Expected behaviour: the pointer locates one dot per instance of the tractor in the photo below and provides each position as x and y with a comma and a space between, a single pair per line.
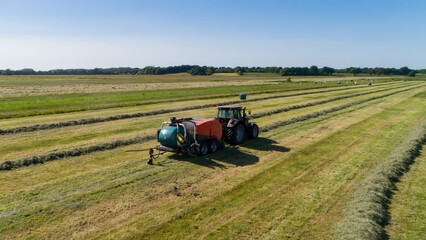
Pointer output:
201, 136
236, 125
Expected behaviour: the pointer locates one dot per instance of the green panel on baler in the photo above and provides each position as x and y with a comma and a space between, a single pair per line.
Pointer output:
168, 136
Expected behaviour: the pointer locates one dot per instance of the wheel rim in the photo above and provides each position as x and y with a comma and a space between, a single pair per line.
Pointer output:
204, 149
255, 131
239, 135
213, 147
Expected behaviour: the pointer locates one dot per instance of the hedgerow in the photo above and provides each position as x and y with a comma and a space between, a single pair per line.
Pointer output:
367, 213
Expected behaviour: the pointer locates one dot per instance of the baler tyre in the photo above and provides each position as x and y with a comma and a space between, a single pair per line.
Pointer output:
236, 135
203, 149
254, 131
213, 146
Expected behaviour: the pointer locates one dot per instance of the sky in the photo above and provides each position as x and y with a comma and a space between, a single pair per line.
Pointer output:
60, 34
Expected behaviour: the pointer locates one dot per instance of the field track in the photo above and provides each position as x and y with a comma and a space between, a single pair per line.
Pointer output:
293, 182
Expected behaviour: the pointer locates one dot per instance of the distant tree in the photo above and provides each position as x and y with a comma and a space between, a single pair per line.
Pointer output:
7, 72
238, 70
27, 71
204, 70
404, 70
355, 71
412, 74
158, 71
197, 71
210, 70
285, 71
225, 70
277, 70
327, 71
313, 70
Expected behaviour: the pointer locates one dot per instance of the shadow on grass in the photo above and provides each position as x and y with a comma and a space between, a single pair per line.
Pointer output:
233, 154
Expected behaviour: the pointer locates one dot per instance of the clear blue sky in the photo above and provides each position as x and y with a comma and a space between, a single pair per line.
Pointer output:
48, 34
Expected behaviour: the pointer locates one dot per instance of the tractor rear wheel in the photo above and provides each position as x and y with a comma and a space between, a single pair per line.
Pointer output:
235, 135
254, 131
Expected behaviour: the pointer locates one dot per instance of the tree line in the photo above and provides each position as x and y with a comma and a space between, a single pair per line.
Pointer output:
209, 70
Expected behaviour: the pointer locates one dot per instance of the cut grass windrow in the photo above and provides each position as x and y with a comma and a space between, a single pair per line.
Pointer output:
311, 104
17, 107
8, 165
39, 127
11, 164
367, 213
324, 112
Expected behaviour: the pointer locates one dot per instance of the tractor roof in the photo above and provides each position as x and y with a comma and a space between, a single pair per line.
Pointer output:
229, 107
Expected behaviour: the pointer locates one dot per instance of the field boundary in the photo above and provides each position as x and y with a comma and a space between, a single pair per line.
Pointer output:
86, 121
11, 164
367, 213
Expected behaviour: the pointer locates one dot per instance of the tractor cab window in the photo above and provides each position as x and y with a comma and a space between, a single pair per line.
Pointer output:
228, 113
237, 114
224, 113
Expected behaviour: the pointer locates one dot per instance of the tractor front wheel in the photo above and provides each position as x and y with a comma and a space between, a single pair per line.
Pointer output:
236, 135
254, 131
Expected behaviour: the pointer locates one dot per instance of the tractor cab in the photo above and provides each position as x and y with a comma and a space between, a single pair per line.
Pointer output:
235, 124
227, 113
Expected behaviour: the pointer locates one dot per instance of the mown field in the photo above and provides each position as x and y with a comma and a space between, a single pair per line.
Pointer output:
66, 172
